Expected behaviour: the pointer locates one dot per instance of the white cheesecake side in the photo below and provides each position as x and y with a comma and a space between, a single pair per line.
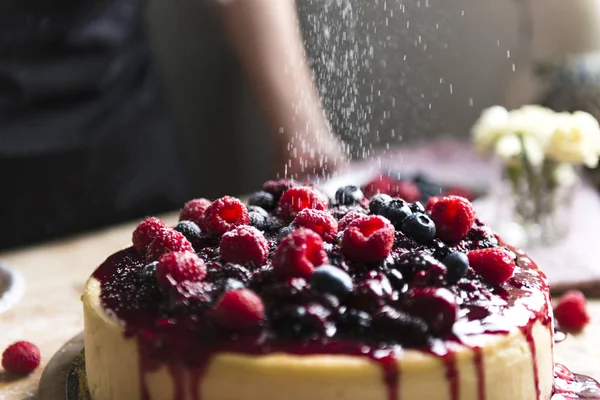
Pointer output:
114, 372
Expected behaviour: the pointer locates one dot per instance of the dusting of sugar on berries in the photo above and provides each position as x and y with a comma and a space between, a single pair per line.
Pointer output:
318, 221
176, 267
194, 210
244, 245
299, 253
166, 241
297, 199
368, 239
453, 217
223, 215
146, 232
495, 265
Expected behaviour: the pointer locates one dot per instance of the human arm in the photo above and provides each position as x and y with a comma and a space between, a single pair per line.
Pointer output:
265, 35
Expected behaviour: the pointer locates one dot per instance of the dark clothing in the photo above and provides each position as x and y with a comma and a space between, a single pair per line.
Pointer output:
84, 137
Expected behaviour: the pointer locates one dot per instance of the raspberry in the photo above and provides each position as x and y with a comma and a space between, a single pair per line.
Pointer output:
317, 221
21, 358
368, 239
297, 199
146, 232
431, 202
278, 187
299, 253
348, 218
167, 240
571, 312
460, 191
453, 217
495, 265
176, 267
244, 245
194, 210
406, 190
382, 184
223, 215
239, 309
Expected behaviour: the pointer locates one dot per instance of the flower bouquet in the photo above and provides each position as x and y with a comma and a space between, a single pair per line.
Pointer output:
540, 152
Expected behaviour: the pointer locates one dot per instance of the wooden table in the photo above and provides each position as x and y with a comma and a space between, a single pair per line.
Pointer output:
50, 314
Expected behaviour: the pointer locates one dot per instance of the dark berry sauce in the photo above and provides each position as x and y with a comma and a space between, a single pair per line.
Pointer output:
373, 321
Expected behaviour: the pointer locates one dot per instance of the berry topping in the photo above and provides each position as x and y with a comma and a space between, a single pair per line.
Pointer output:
244, 245
453, 217
406, 190
299, 253
318, 221
299, 198
377, 203
355, 322
368, 239
495, 265
417, 207
176, 267
146, 232
437, 306
431, 202
457, 264
194, 210
397, 281
148, 273
396, 210
167, 240
571, 311
189, 229
21, 358
348, 218
419, 227
332, 280
239, 309
389, 321
223, 215
348, 195
264, 200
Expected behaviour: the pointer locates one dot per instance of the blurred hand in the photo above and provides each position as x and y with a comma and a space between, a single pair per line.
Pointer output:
309, 155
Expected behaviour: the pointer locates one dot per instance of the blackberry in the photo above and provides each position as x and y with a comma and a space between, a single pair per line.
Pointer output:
354, 322
262, 199
220, 273
348, 195
397, 281
410, 263
148, 274
397, 326
294, 321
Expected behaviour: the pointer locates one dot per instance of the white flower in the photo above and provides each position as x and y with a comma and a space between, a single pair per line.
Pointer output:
496, 123
510, 149
575, 140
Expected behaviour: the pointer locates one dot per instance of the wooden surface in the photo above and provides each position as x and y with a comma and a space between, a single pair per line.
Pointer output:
50, 313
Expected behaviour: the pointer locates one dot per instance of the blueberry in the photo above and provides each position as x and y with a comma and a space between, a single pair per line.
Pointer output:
377, 202
457, 264
331, 280
259, 210
348, 195
420, 227
232, 284
262, 199
396, 210
285, 231
258, 220
417, 207
148, 273
189, 229
397, 281
354, 322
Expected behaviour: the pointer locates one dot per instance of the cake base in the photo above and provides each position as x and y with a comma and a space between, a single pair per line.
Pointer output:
64, 377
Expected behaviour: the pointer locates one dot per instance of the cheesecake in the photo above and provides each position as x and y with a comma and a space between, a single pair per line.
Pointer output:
294, 295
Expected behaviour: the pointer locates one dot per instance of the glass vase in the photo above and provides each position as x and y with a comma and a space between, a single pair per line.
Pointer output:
534, 205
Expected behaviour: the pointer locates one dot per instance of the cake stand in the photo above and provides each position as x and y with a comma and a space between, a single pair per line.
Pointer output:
64, 376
